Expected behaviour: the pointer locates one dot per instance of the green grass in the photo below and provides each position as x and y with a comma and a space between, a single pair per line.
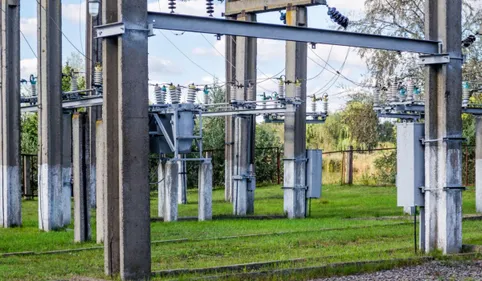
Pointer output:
344, 226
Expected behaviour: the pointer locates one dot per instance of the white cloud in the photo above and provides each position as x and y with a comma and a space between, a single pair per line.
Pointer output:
74, 12
28, 67
159, 67
28, 26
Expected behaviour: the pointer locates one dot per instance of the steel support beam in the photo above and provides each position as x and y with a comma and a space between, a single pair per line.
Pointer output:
287, 33
478, 164
295, 126
443, 130
244, 184
235, 7
50, 114
67, 168
10, 188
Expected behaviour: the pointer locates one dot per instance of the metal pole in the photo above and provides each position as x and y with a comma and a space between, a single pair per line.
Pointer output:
229, 133
478, 165
10, 188
278, 164
294, 182
50, 114
443, 150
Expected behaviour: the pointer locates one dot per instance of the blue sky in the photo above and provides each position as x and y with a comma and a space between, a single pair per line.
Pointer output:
167, 64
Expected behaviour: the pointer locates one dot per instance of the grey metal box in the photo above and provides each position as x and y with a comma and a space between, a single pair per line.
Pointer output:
410, 164
313, 173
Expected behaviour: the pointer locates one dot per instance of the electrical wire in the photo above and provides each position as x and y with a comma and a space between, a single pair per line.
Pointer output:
63, 34
23, 35
334, 78
323, 69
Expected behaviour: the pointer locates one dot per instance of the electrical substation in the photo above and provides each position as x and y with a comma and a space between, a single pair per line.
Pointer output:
112, 139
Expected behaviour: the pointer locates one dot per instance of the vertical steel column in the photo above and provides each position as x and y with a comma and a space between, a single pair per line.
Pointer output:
295, 127
10, 188
100, 164
243, 195
50, 114
443, 130
94, 54
478, 165
67, 168
229, 133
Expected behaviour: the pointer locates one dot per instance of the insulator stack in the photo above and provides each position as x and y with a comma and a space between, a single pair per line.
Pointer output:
376, 96
173, 94
172, 5
298, 89
233, 91
313, 103
178, 93
191, 94
402, 94
393, 90
98, 76
325, 104
465, 93
206, 95
338, 18
74, 86
281, 89
250, 91
160, 96
410, 90
210, 7
33, 85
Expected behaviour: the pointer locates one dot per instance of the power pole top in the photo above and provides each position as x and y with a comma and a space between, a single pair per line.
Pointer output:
235, 7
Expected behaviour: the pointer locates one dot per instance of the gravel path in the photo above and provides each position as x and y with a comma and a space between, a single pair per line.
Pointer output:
435, 270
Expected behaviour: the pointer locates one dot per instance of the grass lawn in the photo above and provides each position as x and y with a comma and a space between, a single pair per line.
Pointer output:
344, 226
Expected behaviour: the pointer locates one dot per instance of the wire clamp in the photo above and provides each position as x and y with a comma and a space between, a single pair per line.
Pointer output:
436, 59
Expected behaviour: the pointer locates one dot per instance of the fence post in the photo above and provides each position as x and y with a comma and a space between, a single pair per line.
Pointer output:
349, 168
27, 187
278, 168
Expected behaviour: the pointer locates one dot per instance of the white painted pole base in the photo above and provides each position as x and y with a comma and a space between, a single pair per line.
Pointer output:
50, 194
205, 205
171, 185
10, 197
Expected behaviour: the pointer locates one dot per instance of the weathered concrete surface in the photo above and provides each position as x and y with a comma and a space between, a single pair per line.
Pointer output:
182, 191
229, 121
205, 192
161, 188
478, 165
100, 164
10, 187
443, 129
50, 115
295, 126
171, 180
81, 186
67, 169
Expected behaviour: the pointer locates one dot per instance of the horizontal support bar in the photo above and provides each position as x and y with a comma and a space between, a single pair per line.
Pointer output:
289, 33
235, 7
85, 102
246, 112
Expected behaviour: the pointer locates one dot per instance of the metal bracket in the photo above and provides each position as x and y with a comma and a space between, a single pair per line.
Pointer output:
436, 59
296, 159
243, 177
110, 29
302, 187
455, 188
444, 139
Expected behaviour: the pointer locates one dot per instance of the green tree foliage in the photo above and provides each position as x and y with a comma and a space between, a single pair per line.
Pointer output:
361, 124
29, 133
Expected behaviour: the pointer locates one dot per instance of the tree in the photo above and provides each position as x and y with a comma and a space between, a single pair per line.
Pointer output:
361, 123
405, 18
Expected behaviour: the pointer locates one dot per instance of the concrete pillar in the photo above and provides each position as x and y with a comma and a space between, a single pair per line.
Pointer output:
295, 127
443, 130
205, 192
243, 191
100, 164
478, 165
229, 121
171, 186
67, 168
93, 48
182, 191
161, 188
50, 187
81, 184
10, 187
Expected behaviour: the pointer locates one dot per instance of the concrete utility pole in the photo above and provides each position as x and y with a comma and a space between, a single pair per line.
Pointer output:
94, 57
127, 247
50, 188
100, 164
243, 180
295, 125
10, 188
443, 130
67, 167
478, 165
229, 136
81, 191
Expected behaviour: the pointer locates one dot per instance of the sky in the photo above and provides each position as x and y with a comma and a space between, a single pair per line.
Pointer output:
199, 58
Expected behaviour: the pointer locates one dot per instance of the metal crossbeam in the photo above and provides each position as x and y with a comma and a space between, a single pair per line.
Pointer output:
235, 7
85, 102
288, 33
